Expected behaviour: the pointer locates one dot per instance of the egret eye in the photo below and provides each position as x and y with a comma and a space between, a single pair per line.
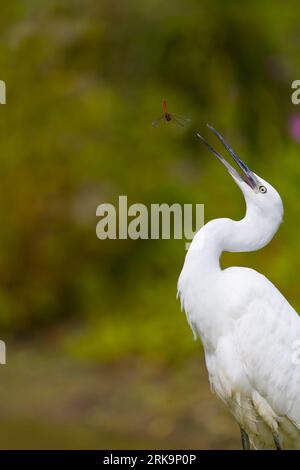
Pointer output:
262, 189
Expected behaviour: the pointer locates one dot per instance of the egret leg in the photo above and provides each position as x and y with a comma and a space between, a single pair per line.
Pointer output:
277, 442
245, 439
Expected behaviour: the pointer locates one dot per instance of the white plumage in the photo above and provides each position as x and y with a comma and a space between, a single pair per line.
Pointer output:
248, 329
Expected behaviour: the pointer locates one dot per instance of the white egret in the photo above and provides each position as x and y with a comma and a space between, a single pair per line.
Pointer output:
248, 329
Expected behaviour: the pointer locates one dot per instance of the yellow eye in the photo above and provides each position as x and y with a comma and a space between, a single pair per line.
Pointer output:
262, 189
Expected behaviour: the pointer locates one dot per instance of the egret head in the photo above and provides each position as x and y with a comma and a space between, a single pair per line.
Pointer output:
259, 194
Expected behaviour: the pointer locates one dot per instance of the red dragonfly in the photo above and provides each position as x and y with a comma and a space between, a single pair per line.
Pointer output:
170, 117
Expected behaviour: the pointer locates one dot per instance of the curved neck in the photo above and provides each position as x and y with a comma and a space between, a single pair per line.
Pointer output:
251, 233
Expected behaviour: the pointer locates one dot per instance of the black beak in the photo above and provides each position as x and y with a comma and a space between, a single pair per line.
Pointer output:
247, 175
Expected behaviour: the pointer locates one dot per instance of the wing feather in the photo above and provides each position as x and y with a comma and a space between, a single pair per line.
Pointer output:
267, 334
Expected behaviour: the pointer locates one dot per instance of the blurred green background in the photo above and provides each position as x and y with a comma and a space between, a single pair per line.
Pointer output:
98, 352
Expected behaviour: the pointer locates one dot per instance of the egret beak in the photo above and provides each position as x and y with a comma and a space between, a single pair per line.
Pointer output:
247, 175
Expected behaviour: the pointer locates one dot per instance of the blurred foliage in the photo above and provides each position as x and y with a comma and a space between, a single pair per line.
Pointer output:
84, 80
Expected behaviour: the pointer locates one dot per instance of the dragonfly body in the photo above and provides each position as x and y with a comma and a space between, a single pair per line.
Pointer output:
169, 117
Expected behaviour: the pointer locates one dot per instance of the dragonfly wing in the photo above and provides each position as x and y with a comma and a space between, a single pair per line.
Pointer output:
181, 121
157, 121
